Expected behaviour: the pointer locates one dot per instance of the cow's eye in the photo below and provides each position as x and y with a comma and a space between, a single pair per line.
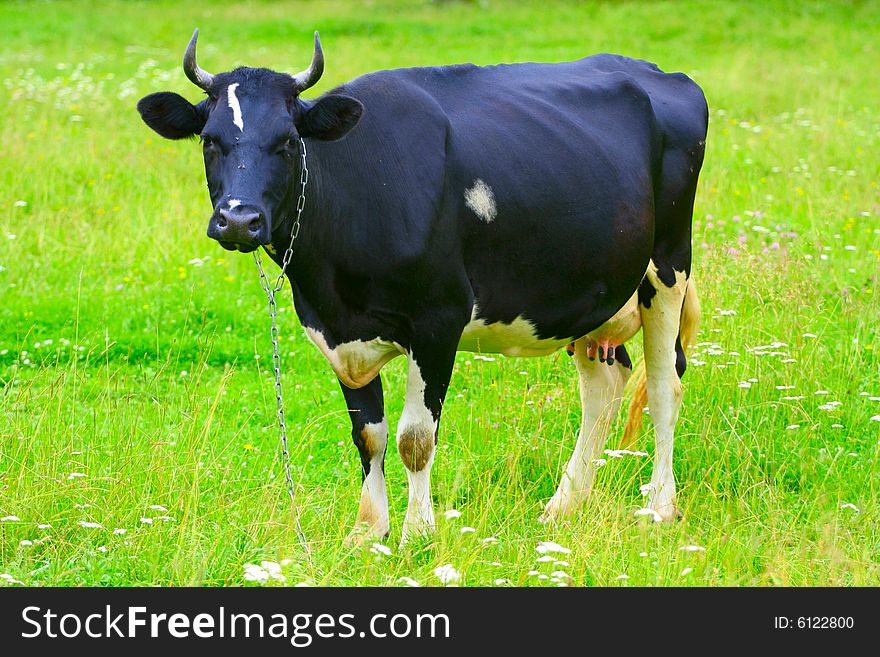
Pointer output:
293, 142
207, 141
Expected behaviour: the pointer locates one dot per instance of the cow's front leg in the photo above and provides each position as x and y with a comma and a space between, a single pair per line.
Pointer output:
369, 431
428, 372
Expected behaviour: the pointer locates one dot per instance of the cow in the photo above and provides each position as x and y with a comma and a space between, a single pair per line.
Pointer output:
516, 209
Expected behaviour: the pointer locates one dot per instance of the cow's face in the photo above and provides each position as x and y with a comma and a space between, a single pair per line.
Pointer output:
250, 127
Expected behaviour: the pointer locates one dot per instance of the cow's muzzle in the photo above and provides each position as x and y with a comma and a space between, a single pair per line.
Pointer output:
241, 228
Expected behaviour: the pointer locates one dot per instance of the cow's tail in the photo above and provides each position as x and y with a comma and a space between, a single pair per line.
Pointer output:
687, 334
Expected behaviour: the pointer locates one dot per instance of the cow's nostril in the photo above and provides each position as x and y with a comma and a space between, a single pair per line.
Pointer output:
221, 221
256, 225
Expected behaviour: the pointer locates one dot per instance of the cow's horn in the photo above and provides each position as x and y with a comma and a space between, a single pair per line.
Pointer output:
312, 74
198, 76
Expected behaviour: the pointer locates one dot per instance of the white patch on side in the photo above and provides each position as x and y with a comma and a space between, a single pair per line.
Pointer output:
481, 200
518, 338
355, 363
233, 203
234, 105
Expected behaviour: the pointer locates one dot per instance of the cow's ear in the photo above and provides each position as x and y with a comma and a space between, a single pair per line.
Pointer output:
172, 115
329, 118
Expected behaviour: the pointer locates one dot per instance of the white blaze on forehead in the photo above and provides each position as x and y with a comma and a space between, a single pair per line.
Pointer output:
233, 203
481, 200
234, 105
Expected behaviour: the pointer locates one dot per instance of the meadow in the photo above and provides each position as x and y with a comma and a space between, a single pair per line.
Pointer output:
137, 432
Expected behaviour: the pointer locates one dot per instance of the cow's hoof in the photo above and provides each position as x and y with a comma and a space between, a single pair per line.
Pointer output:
416, 536
363, 533
555, 511
667, 512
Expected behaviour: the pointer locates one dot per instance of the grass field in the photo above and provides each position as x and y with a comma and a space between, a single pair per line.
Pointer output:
137, 436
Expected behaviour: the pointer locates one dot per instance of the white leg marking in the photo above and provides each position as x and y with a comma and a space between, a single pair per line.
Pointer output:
373, 509
481, 200
661, 327
601, 391
232, 101
415, 444
420, 508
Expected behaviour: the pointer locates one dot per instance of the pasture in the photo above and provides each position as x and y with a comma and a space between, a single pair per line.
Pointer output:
137, 424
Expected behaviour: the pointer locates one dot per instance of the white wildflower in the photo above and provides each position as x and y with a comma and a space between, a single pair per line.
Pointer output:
467, 530
447, 574
451, 514
274, 570
549, 546
378, 548
10, 519
692, 548
254, 573
649, 512
90, 525
620, 453
850, 505
408, 581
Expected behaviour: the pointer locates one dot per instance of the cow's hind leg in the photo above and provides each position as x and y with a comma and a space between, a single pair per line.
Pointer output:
601, 390
369, 431
663, 295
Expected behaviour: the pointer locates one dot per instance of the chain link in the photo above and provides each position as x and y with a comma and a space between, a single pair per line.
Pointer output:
270, 290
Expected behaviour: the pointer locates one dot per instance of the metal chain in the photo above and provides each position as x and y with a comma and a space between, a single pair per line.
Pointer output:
270, 291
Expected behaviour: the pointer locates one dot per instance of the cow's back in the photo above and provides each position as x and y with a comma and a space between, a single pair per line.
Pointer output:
549, 175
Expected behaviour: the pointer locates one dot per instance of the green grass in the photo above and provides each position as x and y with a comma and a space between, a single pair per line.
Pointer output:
126, 360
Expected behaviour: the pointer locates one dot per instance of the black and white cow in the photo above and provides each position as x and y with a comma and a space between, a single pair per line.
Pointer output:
513, 209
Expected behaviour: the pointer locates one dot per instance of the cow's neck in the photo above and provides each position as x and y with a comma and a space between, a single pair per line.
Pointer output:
311, 268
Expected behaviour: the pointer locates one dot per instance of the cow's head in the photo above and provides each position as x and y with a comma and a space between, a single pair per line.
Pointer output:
250, 126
